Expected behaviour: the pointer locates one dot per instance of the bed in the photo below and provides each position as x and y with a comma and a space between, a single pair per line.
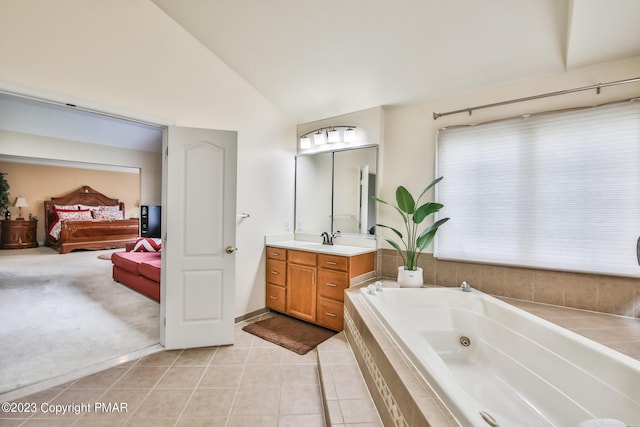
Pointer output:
87, 219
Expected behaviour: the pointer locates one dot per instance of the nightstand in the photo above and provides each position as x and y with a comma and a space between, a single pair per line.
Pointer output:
18, 234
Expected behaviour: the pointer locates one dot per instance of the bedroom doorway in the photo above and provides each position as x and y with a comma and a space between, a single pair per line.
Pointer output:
40, 141
153, 180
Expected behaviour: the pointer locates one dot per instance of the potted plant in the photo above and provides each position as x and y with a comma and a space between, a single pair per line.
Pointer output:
415, 241
4, 195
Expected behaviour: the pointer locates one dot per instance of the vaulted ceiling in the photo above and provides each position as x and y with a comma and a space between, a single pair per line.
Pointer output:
317, 59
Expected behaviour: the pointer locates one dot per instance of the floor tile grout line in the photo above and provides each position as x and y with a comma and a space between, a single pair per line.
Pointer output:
153, 387
235, 394
111, 387
197, 385
140, 363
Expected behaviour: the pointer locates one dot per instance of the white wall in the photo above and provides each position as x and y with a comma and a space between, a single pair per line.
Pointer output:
410, 130
128, 57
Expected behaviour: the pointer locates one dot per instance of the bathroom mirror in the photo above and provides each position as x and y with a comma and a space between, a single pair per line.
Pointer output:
334, 192
313, 193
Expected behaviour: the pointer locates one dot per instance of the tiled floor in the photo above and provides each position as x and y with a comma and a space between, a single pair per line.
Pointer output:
255, 383
252, 383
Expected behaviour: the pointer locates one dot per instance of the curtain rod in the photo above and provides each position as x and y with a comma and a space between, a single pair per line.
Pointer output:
597, 87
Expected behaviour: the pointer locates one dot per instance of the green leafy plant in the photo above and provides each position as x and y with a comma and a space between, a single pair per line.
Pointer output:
4, 193
413, 214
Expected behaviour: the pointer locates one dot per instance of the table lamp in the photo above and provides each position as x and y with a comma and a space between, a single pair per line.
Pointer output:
21, 202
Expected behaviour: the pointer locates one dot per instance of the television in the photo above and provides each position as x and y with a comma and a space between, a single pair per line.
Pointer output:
150, 221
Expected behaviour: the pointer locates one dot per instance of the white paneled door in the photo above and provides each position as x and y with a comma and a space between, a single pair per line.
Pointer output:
198, 262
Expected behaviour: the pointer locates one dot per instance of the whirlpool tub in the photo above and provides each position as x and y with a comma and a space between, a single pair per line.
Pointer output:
491, 363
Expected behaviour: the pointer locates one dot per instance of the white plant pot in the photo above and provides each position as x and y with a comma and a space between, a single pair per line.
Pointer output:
410, 278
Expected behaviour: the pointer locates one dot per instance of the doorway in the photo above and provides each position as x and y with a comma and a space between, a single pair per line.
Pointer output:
197, 303
47, 139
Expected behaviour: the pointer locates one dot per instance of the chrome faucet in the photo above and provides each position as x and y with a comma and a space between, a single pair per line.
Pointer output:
326, 240
465, 286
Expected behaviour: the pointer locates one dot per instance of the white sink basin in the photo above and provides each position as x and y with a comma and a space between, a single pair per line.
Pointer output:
343, 250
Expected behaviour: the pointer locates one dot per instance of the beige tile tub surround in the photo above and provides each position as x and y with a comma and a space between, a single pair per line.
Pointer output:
400, 393
604, 294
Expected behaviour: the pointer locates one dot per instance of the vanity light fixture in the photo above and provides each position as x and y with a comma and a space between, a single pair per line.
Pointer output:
327, 134
318, 138
305, 142
333, 136
349, 134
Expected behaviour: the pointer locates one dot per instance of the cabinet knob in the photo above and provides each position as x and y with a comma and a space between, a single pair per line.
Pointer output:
331, 262
274, 272
333, 285
273, 297
331, 314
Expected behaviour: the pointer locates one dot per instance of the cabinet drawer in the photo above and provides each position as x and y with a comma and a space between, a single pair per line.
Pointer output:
302, 257
276, 253
331, 284
333, 262
276, 272
330, 314
276, 297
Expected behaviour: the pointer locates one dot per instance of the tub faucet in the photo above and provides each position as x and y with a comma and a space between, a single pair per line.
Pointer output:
465, 286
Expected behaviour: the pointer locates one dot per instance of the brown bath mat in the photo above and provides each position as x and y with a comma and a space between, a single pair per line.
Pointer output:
105, 256
290, 333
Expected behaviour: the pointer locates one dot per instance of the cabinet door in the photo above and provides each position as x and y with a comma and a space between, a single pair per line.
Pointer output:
276, 297
330, 314
331, 284
276, 272
276, 253
333, 262
301, 292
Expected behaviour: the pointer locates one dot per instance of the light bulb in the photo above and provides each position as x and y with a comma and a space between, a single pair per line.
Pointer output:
305, 142
349, 135
333, 136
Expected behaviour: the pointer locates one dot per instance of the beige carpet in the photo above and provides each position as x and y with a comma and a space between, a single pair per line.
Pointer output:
63, 313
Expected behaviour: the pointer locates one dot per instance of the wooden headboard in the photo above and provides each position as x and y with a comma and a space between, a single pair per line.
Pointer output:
85, 195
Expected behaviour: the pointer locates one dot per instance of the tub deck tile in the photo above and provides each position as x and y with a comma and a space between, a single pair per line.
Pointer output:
347, 398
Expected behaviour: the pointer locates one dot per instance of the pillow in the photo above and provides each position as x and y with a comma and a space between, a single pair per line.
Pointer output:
88, 207
100, 207
107, 215
66, 207
78, 215
71, 215
147, 244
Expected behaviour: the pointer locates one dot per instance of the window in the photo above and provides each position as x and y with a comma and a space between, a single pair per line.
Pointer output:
558, 190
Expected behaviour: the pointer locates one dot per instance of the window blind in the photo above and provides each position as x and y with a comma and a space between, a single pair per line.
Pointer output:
556, 191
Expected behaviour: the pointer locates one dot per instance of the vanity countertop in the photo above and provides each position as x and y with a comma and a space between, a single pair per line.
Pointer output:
342, 250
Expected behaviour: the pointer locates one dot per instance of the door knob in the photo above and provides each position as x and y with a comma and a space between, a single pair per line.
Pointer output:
230, 249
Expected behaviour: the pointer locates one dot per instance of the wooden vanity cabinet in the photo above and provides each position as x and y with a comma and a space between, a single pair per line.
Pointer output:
334, 276
301, 284
314, 283
276, 279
